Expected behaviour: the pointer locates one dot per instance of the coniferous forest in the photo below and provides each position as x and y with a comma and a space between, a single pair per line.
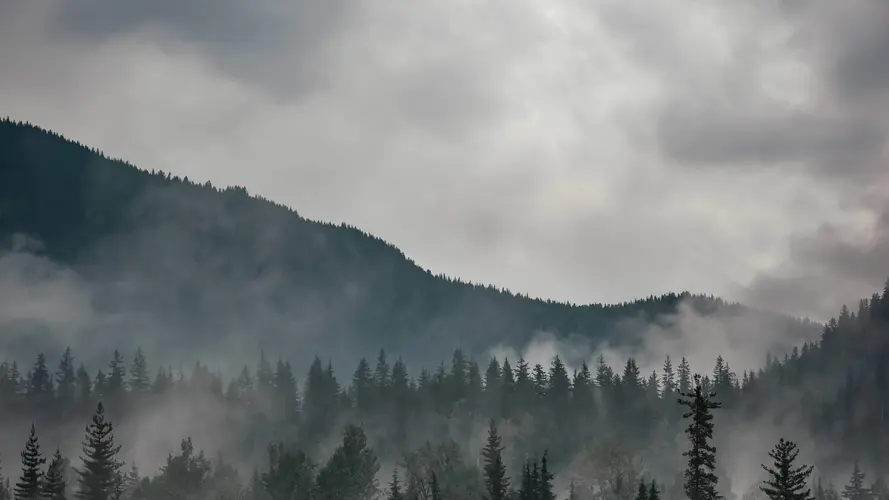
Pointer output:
501, 429
95, 422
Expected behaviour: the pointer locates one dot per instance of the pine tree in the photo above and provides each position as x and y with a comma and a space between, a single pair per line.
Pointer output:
496, 481
40, 385
99, 477
395, 488
526, 490
30, 484
855, 489
140, 381
642, 492
787, 482
116, 380
434, 490
131, 482
54, 486
351, 471
653, 492
700, 478
545, 482
65, 377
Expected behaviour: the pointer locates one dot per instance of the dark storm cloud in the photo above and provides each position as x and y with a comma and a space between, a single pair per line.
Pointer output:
836, 134
276, 44
706, 137
498, 141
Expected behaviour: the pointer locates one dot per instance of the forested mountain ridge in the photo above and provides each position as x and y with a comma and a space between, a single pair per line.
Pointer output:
162, 259
605, 429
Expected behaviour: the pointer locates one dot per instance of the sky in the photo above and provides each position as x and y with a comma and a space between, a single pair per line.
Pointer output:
586, 151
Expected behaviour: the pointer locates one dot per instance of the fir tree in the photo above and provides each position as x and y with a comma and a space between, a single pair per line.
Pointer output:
653, 492
140, 381
642, 492
99, 477
54, 485
65, 377
30, 484
496, 481
526, 490
786, 481
545, 482
351, 471
131, 482
700, 478
434, 490
855, 489
115, 384
395, 488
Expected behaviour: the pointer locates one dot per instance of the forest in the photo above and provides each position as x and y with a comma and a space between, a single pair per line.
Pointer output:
503, 429
184, 269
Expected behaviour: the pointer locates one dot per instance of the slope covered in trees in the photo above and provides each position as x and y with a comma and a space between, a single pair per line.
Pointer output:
154, 260
606, 432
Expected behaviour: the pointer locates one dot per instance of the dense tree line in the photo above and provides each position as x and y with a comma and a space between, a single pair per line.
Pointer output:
840, 381
209, 260
350, 472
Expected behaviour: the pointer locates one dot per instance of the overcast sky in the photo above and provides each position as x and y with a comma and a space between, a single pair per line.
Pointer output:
580, 150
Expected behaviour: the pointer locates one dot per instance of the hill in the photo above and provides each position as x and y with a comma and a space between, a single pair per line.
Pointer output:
115, 255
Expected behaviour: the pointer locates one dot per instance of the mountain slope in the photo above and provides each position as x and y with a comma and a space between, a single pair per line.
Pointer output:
145, 258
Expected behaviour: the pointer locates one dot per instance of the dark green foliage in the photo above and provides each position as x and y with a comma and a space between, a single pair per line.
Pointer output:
787, 482
496, 480
184, 475
351, 471
700, 477
139, 378
66, 380
99, 475
545, 481
653, 492
855, 489
642, 493
395, 488
30, 484
434, 490
291, 474
54, 484
100, 205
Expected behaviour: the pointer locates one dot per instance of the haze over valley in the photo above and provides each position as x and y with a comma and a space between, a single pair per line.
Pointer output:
325, 250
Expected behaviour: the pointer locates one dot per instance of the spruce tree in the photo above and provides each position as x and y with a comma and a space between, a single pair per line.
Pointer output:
545, 483
54, 485
351, 471
140, 382
653, 492
30, 484
395, 488
526, 490
66, 378
434, 490
786, 482
642, 492
99, 478
700, 478
496, 481
855, 489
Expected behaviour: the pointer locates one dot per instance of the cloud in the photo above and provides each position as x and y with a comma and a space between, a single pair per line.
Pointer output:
573, 150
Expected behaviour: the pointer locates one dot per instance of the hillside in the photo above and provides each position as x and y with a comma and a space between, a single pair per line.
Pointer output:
123, 256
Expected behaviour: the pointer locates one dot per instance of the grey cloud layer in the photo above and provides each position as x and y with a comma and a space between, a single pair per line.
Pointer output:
583, 151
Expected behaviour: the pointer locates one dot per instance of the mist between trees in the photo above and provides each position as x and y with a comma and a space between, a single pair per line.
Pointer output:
351, 471
603, 432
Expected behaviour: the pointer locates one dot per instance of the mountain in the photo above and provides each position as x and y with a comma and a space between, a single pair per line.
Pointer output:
108, 254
